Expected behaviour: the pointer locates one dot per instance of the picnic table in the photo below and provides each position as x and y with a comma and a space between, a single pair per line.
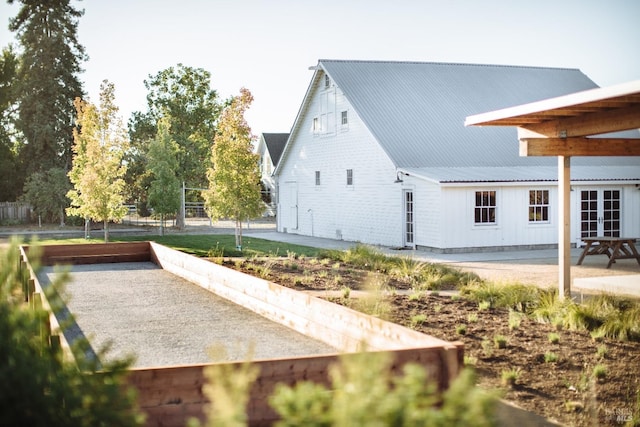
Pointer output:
613, 247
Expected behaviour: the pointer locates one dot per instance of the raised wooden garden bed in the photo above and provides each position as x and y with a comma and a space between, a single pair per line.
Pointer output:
171, 394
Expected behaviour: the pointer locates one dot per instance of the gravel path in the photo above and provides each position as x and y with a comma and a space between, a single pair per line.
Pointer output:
164, 320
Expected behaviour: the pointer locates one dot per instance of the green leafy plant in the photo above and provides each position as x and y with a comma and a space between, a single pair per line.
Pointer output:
599, 371
484, 305
472, 317
461, 329
217, 253
602, 351
500, 341
515, 319
553, 337
227, 387
550, 357
487, 347
470, 360
363, 392
346, 292
418, 319
509, 377
39, 385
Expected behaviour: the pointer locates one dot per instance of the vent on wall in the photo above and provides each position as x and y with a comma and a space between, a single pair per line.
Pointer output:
338, 234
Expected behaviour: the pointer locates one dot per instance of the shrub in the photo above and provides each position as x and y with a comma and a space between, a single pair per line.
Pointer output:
364, 393
602, 351
553, 338
550, 357
461, 329
216, 254
515, 319
599, 371
418, 319
500, 341
39, 387
510, 377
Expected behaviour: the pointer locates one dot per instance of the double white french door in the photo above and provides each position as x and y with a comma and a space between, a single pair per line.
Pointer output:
600, 213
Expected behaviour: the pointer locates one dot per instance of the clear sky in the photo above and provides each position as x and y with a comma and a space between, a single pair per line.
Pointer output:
268, 45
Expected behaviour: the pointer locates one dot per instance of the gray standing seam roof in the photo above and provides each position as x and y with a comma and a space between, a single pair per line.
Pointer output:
416, 110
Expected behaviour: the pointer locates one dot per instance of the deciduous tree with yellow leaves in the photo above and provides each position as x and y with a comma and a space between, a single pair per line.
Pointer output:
100, 141
234, 178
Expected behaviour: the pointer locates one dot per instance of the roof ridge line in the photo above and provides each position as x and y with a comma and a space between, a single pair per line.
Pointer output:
469, 64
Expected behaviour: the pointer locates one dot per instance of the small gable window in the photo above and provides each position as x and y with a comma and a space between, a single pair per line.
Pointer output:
327, 82
317, 177
344, 119
316, 125
349, 176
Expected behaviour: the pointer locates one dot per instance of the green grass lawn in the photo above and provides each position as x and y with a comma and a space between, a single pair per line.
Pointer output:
201, 244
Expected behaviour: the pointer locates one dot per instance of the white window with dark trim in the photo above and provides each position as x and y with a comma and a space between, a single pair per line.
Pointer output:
538, 206
327, 82
316, 125
317, 177
344, 119
485, 207
349, 176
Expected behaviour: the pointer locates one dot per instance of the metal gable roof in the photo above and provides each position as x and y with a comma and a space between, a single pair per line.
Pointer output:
529, 174
416, 110
275, 143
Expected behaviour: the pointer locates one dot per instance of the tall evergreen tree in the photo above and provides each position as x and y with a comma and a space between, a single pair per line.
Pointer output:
98, 169
47, 81
9, 184
234, 178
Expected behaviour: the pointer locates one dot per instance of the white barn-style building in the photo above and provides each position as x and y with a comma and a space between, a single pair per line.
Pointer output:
379, 154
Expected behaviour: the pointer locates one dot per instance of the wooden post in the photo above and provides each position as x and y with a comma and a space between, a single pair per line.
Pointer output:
31, 288
564, 227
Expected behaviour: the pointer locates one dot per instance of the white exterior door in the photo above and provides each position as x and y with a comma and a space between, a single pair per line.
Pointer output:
292, 223
408, 218
600, 213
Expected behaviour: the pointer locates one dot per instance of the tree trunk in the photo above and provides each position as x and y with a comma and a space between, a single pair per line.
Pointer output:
238, 234
106, 231
162, 224
87, 233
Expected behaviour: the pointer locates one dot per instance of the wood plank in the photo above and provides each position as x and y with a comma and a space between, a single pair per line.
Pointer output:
596, 123
127, 251
167, 395
579, 147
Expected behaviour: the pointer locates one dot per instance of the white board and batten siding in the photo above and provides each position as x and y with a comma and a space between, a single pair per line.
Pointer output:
369, 210
511, 227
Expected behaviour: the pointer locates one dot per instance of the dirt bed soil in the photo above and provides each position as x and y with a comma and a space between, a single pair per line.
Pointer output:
561, 390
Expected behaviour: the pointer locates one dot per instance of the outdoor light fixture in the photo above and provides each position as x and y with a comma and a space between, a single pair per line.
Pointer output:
398, 178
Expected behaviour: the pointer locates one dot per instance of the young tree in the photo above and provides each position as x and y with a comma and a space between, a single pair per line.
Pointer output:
184, 95
164, 191
47, 80
45, 191
234, 178
100, 144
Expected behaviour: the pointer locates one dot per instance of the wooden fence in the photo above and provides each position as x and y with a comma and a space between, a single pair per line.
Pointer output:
15, 211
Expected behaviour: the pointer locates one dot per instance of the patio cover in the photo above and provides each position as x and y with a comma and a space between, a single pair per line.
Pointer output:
578, 124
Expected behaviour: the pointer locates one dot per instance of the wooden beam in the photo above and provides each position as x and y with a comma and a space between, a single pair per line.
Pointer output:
564, 227
579, 147
606, 121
